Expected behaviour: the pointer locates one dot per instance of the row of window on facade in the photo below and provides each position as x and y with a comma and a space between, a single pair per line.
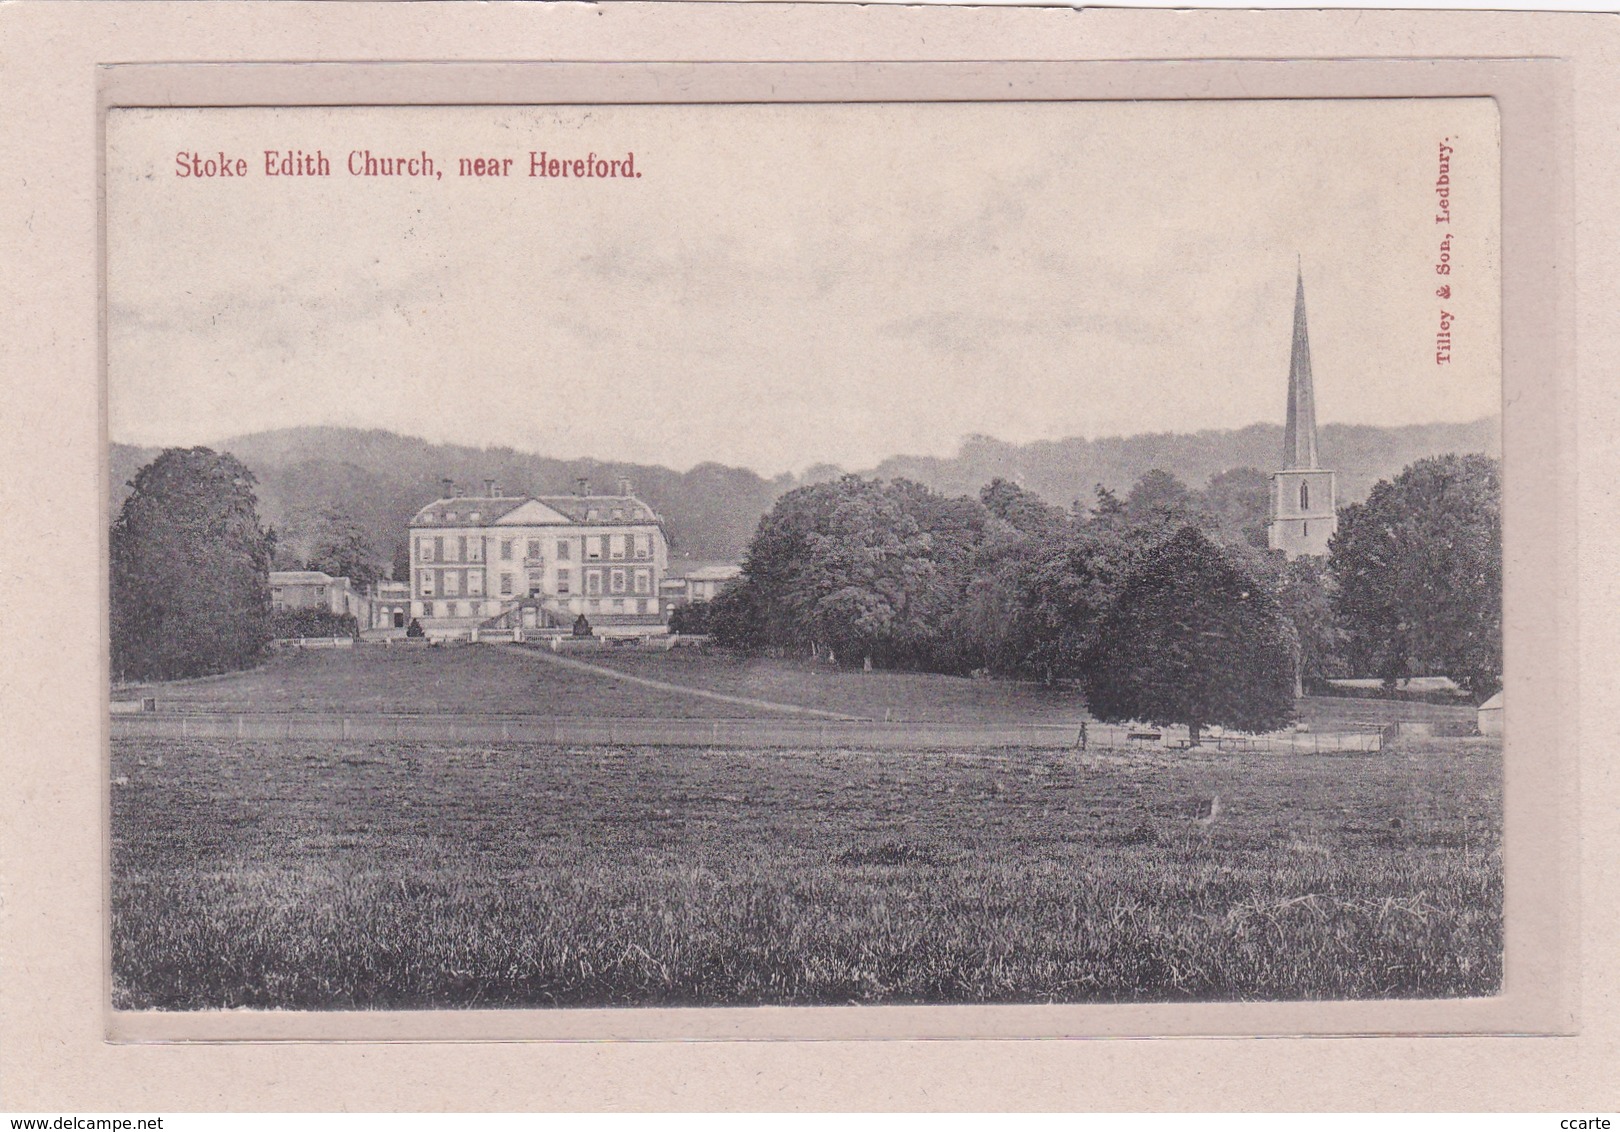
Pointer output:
476, 609
462, 548
449, 582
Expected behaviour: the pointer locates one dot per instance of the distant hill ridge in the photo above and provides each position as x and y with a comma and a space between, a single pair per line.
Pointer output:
1062, 471
381, 478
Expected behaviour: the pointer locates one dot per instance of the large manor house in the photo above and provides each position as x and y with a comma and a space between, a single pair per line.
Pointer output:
519, 561
499, 562
514, 562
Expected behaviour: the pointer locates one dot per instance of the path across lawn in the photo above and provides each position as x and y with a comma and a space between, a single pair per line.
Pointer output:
665, 686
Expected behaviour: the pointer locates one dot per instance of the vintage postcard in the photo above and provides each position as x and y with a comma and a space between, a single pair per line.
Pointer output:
623, 584
804, 554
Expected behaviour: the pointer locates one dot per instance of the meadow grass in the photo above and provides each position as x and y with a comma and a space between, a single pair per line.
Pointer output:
324, 875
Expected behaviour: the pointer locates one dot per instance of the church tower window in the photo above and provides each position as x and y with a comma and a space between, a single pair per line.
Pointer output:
1304, 496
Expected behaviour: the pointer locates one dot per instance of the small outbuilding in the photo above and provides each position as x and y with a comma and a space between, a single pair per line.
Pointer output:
1490, 716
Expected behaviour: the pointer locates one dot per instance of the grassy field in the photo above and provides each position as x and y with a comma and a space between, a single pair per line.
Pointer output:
1343, 713
925, 697
380, 875
900, 696
494, 679
455, 680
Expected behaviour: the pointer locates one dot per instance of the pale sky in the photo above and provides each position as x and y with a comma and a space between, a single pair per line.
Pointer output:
792, 284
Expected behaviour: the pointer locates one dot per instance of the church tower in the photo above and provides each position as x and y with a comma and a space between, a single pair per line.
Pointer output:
1304, 503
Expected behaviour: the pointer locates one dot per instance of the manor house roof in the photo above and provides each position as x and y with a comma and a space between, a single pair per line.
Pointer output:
474, 510
467, 510
578, 508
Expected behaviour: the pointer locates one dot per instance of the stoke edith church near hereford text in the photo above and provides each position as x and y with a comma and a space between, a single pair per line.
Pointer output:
1304, 503
533, 562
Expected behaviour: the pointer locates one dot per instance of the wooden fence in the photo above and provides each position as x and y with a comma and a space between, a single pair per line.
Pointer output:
471, 728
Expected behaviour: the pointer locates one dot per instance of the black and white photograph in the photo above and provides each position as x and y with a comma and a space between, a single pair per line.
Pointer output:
804, 554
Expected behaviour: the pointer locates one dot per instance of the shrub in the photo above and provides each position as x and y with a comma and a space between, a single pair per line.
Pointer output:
692, 618
312, 622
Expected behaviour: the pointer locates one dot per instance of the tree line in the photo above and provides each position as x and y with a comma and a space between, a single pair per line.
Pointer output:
1143, 587
379, 480
1166, 587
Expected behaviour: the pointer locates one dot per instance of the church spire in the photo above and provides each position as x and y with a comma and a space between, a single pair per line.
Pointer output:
1299, 437
1304, 507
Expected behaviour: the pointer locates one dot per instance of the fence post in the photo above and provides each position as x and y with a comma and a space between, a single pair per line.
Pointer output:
182, 727
239, 727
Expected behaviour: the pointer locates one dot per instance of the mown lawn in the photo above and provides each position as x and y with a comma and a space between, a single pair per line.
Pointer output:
318, 875
899, 696
496, 679
450, 680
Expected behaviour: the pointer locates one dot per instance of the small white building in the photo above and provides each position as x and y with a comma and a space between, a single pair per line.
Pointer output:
313, 589
697, 581
1490, 716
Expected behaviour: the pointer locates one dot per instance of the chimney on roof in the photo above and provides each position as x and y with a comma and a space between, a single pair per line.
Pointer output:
582, 486
489, 489
624, 485
449, 487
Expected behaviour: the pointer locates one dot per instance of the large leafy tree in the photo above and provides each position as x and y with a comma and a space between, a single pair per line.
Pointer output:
1162, 503
1006, 582
1049, 585
860, 567
1239, 499
343, 550
1305, 591
989, 628
1192, 639
1065, 586
1022, 510
737, 616
1418, 569
190, 569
